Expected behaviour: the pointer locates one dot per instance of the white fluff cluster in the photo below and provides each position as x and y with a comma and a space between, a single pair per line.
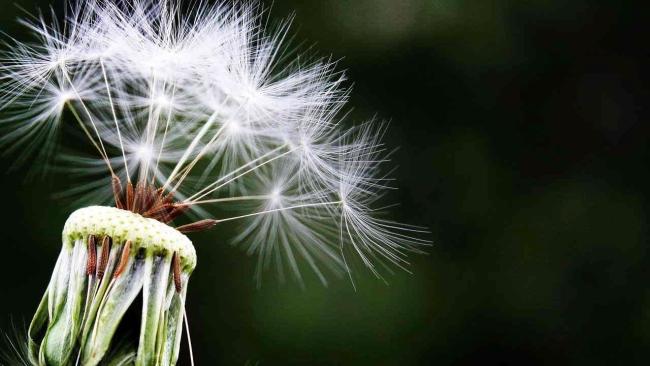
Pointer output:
207, 103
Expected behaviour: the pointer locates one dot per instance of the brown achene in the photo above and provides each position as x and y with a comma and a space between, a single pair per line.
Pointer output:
151, 202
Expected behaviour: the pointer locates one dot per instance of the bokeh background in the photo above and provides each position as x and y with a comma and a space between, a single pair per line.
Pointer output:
523, 128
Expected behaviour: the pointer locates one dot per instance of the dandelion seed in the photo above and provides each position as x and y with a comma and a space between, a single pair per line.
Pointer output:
189, 113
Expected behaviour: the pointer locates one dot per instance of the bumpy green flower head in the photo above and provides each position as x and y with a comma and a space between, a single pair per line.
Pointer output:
123, 226
109, 258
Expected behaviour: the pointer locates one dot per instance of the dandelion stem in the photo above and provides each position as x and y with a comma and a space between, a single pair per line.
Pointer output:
201, 194
244, 173
117, 126
88, 134
306, 205
198, 157
164, 136
150, 132
230, 199
188, 151
102, 151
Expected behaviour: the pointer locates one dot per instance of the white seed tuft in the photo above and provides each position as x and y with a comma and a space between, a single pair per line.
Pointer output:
204, 104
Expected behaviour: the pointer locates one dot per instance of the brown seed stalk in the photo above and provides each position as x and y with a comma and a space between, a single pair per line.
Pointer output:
151, 202
129, 196
91, 264
103, 257
117, 191
138, 199
159, 210
123, 260
197, 226
176, 210
176, 268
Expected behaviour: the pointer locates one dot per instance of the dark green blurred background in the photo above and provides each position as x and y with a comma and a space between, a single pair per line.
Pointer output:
524, 147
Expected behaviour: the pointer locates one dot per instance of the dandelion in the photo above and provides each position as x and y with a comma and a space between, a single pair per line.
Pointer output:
193, 113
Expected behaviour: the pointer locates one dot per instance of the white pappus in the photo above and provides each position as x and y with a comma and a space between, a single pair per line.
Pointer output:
205, 103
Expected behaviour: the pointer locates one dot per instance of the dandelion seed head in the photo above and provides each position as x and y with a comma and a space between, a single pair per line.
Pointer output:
210, 106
